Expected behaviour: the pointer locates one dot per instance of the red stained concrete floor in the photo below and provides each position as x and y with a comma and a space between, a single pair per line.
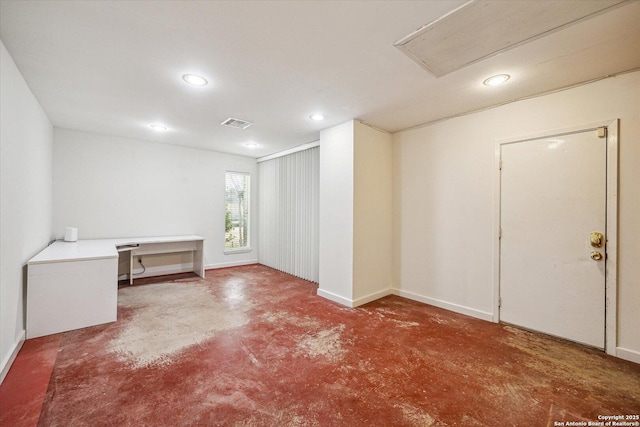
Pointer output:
25, 386
251, 346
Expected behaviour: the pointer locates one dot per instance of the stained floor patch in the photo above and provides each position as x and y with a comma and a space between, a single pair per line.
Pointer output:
326, 343
170, 317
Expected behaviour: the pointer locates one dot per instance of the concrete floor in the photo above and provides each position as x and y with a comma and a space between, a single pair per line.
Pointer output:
251, 346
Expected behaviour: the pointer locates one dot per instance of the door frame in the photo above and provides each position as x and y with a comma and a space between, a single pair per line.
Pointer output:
611, 225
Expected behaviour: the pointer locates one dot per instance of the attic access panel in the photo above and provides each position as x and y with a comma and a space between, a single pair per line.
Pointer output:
483, 28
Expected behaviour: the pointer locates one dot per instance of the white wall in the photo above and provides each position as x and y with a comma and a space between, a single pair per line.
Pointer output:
336, 213
355, 214
116, 187
26, 138
443, 198
372, 228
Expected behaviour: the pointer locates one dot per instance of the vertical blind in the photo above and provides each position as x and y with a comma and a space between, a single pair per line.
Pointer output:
288, 206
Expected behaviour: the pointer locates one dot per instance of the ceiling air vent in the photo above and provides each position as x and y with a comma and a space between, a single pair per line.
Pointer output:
236, 123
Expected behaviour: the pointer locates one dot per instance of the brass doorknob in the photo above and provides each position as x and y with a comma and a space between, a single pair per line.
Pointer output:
596, 256
596, 239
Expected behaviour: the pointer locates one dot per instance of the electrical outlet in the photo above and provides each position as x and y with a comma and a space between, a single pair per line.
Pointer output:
139, 260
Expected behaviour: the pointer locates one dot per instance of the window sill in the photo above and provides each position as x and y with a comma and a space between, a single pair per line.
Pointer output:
237, 251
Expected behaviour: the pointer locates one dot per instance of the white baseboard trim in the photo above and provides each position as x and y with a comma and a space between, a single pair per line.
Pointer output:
372, 297
230, 264
457, 308
335, 298
8, 361
626, 354
354, 302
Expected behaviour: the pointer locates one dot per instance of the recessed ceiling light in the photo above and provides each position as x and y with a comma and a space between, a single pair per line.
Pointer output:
251, 145
496, 80
316, 117
158, 127
195, 80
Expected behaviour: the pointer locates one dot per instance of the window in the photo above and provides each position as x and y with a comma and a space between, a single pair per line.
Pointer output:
236, 227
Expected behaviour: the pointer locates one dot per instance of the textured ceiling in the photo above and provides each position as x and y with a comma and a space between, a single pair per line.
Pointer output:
114, 67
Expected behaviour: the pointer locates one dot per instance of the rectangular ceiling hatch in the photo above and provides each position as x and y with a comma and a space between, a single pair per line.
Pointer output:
482, 28
236, 123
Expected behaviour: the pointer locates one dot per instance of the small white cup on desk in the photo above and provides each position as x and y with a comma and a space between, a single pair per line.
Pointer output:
71, 234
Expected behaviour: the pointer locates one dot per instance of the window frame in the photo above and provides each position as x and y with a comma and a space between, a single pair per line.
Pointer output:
247, 222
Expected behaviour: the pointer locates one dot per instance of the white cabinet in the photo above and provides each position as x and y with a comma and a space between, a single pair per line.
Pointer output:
62, 296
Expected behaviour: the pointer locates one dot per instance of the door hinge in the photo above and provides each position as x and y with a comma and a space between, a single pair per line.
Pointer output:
602, 132
500, 165
500, 233
499, 301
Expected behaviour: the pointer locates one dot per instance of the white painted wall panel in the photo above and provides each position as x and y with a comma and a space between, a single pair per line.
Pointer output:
112, 187
336, 213
443, 202
26, 144
355, 214
443, 198
372, 226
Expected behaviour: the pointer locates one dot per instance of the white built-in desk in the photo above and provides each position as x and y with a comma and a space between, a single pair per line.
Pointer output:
72, 285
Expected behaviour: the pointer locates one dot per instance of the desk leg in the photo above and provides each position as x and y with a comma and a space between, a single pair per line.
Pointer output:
198, 259
130, 267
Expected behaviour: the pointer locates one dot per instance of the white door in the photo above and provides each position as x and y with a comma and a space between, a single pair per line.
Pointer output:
552, 196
